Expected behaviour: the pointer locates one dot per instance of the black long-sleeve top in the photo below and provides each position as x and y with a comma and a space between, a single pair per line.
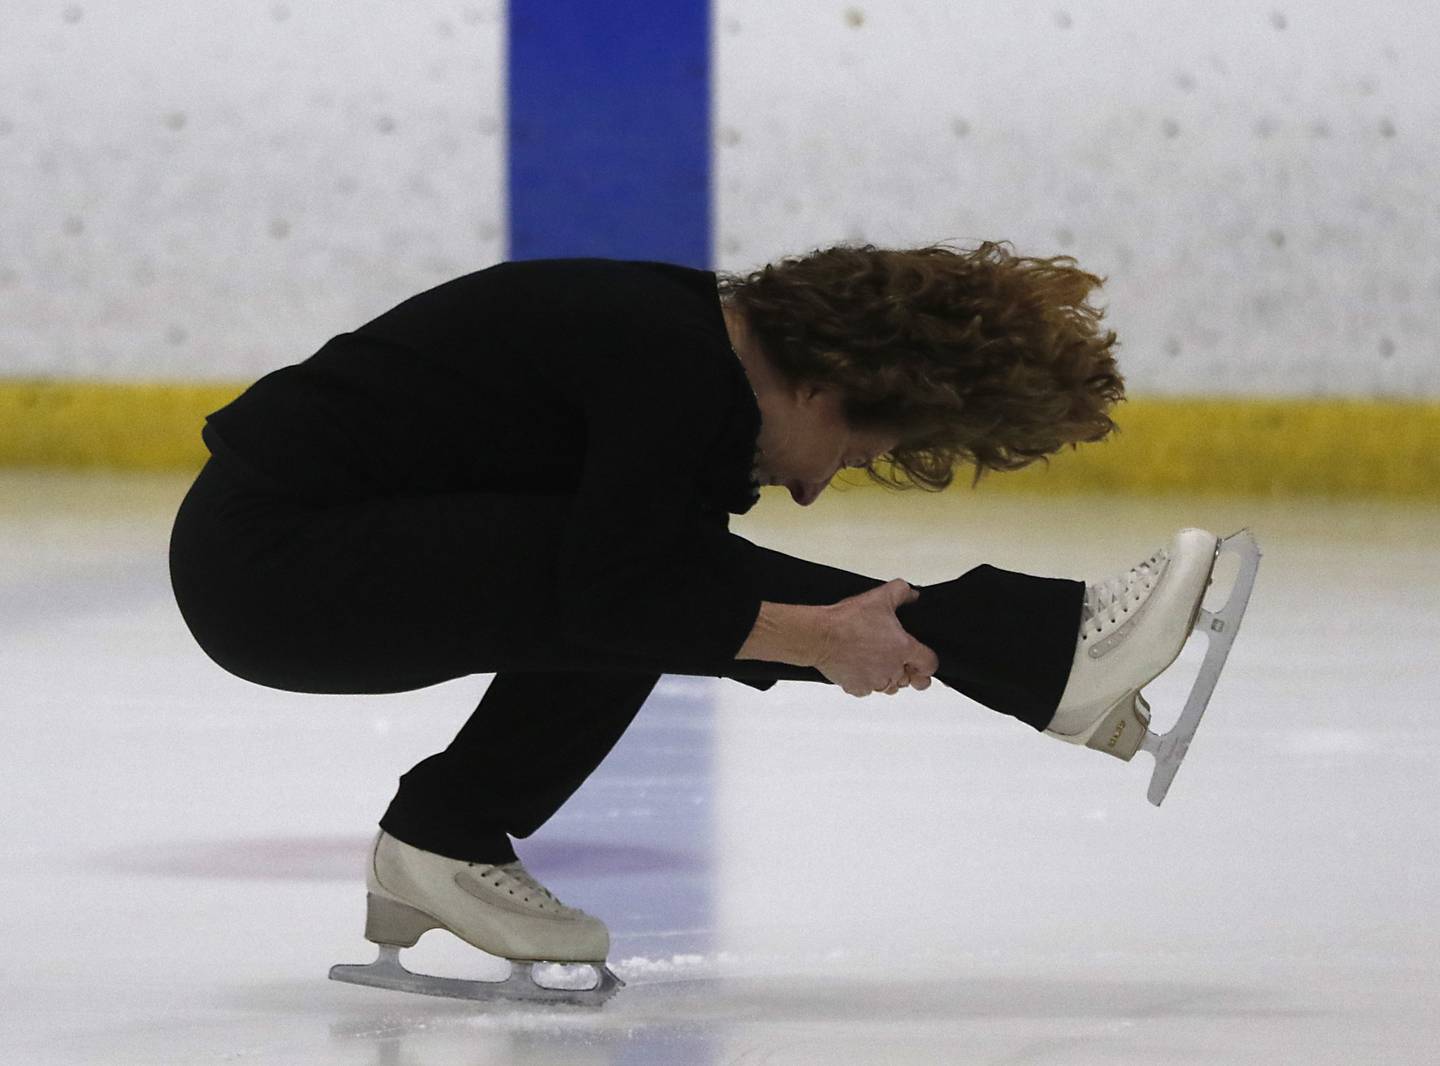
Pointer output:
612, 380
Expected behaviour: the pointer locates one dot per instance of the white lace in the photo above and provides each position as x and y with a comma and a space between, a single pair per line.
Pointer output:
516, 872
1109, 601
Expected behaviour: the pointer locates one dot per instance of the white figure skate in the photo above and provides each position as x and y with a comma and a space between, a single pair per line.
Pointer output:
1132, 628
501, 910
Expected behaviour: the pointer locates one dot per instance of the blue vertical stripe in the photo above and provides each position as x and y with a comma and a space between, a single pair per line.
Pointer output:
609, 129
609, 155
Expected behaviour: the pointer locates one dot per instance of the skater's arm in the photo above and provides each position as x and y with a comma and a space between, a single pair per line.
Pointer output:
858, 643
786, 633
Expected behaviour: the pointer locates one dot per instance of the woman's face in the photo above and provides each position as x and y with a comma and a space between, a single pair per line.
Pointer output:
805, 441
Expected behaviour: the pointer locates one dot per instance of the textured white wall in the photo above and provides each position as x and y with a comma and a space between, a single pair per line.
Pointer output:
1258, 181
206, 189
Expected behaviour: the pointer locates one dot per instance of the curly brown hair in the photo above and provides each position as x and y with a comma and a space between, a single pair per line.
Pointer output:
976, 357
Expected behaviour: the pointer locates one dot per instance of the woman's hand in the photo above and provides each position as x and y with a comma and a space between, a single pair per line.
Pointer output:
865, 648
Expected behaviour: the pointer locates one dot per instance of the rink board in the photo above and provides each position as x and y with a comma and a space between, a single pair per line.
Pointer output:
1330, 447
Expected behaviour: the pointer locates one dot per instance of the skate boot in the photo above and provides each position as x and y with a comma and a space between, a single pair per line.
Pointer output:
500, 909
1133, 627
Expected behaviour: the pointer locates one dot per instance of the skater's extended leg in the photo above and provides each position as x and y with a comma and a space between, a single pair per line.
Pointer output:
1002, 638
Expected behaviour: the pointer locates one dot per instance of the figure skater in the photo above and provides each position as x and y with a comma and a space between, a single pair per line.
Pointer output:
528, 472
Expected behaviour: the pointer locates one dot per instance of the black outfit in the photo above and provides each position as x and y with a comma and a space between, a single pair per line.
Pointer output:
528, 471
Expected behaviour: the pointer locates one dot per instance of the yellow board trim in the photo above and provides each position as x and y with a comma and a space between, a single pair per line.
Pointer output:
134, 426
1342, 448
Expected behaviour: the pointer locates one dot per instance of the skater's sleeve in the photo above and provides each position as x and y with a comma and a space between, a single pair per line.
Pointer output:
640, 569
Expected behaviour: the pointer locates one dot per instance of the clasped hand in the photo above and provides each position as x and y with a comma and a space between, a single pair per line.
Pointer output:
865, 649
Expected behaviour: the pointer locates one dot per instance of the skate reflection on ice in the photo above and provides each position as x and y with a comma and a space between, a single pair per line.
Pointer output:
498, 1034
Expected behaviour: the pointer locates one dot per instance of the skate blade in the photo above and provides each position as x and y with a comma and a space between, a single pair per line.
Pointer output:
388, 972
1220, 628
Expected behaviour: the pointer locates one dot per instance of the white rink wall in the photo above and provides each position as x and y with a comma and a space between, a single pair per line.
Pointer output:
1258, 181
200, 190
206, 190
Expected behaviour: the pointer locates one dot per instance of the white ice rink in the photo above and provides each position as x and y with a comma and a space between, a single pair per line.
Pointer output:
790, 877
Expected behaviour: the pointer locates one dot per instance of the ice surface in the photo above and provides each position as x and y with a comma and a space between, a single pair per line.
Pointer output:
790, 877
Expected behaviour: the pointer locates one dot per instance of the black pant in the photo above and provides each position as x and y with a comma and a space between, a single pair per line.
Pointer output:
399, 593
